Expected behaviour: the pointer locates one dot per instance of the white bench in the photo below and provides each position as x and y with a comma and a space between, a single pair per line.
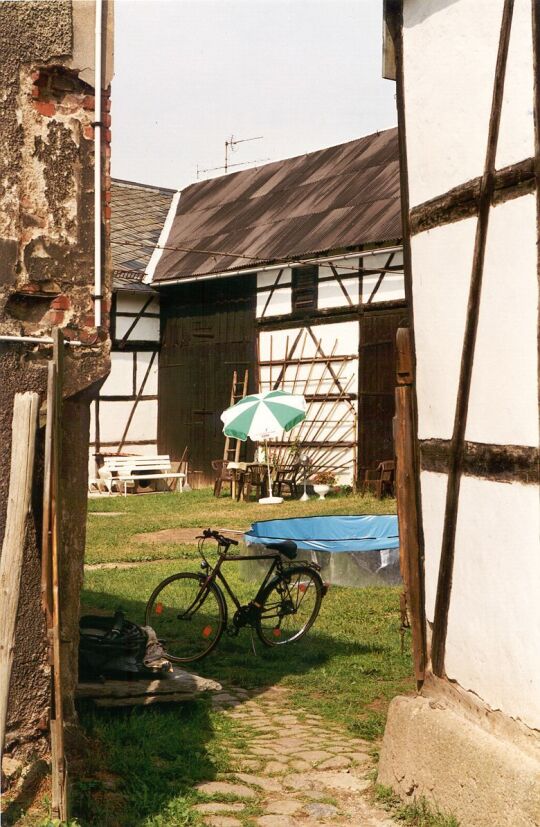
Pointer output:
121, 470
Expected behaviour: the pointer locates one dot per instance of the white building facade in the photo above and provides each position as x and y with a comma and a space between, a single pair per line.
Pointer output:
469, 118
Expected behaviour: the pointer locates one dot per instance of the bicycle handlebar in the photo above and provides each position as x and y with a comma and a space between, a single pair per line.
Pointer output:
223, 541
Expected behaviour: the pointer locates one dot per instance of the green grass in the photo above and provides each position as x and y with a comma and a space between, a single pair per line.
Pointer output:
111, 538
347, 669
419, 813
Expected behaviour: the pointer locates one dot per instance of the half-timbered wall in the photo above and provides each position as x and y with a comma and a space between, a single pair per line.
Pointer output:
125, 415
450, 49
339, 354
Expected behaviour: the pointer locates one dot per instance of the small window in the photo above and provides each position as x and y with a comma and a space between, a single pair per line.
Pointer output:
304, 288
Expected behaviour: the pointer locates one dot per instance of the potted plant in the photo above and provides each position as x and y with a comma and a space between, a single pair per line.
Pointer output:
322, 482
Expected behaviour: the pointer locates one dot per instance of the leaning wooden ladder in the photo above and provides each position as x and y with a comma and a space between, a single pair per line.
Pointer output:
231, 451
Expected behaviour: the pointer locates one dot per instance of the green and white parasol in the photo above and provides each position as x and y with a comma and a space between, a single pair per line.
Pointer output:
263, 416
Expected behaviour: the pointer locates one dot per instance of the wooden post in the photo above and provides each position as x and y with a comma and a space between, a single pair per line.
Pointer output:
25, 411
407, 499
50, 571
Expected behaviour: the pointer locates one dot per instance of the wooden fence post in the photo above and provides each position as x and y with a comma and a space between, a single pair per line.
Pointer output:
407, 501
25, 411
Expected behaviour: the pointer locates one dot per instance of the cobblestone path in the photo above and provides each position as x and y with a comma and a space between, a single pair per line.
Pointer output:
294, 769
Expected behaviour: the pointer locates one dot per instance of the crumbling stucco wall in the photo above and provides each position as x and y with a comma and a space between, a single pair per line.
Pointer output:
46, 280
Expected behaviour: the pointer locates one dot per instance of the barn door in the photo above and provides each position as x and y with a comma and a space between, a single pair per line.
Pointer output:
208, 332
376, 386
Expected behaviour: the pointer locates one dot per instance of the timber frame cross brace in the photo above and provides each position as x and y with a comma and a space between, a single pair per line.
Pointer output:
457, 444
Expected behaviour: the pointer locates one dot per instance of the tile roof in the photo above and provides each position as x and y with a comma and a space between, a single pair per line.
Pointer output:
342, 197
138, 212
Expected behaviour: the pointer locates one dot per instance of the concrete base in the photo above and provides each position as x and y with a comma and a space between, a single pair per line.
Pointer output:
483, 770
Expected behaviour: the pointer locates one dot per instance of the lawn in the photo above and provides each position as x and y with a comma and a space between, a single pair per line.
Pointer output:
347, 669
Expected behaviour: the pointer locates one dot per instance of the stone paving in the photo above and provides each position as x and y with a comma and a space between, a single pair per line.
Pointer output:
294, 770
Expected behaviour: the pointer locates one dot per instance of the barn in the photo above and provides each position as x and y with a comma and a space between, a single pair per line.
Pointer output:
469, 120
124, 416
286, 276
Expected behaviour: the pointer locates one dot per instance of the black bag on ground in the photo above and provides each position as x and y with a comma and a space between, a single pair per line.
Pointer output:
113, 647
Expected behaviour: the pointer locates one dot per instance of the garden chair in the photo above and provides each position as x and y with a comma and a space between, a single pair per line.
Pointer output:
224, 475
254, 477
380, 480
287, 477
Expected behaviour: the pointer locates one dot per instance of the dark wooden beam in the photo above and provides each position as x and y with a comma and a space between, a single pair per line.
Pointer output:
501, 463
463, 201
457, 444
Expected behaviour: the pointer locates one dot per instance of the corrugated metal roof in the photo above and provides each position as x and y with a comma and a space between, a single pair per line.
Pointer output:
138, 212
341, 197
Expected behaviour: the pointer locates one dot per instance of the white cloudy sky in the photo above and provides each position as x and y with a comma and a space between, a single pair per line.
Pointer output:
305, 74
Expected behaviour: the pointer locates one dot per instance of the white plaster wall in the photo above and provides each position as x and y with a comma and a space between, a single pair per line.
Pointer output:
503, 406
143, 360
441, 265
450, 52
433, 491
493, 639
330, 293
281, 301
145, 329
391, 288
120, 379
134, 302
113, 417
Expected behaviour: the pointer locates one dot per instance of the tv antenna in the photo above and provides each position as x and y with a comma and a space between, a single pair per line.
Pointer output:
230, 146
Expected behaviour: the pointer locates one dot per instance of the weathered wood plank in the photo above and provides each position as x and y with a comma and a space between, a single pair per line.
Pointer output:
178, 682
25, 413
407, 502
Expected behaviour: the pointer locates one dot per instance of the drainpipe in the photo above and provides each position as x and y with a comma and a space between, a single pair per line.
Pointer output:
98, 125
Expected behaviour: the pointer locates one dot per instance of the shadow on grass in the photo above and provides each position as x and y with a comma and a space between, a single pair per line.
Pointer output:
234, 662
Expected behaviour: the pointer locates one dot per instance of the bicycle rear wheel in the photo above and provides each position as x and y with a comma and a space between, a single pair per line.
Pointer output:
187, 616
289, 606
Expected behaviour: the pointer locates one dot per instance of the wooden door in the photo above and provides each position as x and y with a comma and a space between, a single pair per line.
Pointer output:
377, 355
208, 331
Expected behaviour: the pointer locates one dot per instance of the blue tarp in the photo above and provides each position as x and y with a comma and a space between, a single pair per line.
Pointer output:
334, 534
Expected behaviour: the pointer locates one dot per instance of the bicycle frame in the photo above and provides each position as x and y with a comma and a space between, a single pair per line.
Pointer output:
217, 574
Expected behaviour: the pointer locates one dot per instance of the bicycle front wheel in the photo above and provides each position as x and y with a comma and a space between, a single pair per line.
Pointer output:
289, 606
187, 616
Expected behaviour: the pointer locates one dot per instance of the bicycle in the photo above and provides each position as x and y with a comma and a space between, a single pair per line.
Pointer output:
188, 611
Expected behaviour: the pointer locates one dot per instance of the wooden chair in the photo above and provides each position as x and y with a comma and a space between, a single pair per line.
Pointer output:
380, 480
224, 474
254, 477
287, 477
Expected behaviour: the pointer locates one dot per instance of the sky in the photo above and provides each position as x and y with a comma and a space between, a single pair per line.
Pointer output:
189, 74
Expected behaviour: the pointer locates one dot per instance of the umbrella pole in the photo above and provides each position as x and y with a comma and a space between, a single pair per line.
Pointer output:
269, 472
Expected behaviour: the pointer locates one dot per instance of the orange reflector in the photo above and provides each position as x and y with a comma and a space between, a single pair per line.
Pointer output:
159, 608
207, 631
276, 632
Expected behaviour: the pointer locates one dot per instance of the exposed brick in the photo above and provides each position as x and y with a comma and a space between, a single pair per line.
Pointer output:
88, 133
107, 196
89, 102
106, 119
35, 74
107, 212
88, 320
70, 333
88, 337
107, 135
35, 92
55, 317
45, 108
61, 303
107, 105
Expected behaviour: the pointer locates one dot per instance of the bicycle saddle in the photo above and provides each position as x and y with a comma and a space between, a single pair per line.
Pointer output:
286, 547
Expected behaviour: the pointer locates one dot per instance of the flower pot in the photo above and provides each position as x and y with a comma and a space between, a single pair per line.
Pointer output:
321, 490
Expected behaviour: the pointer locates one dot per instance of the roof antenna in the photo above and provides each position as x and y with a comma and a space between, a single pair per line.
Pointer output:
230, 146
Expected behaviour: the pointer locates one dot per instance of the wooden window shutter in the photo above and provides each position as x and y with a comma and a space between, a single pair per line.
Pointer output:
304, 288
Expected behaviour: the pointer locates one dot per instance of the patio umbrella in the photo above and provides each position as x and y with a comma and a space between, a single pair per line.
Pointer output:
264, 416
